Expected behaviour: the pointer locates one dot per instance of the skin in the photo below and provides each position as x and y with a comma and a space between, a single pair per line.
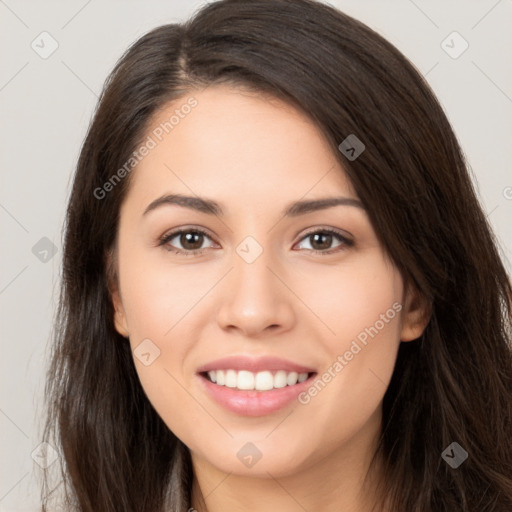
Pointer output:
255, 155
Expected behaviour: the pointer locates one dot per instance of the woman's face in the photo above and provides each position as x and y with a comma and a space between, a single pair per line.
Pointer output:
250, 300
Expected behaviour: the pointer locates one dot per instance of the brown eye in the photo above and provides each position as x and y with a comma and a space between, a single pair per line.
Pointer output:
321, 241
189, 241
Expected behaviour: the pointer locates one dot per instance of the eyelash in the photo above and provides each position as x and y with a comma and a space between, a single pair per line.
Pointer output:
163, 241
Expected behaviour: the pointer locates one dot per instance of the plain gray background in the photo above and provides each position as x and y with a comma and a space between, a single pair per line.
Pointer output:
47, 103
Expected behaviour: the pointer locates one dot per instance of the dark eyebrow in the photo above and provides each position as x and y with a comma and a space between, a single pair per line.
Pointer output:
302, 207
211, 207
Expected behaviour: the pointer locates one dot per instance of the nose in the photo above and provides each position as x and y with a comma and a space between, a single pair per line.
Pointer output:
255, 300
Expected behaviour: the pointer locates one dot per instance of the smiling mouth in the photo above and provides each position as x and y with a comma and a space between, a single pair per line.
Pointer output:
244, 380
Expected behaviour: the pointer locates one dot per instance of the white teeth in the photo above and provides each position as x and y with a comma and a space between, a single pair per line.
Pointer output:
260, 381
291, 379
230, 381
264, 381
245, 380
280, 379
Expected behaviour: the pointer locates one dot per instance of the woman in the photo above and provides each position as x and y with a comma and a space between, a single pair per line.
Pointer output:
279, 289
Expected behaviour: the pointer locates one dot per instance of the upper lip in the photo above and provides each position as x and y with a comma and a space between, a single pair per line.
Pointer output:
254, 364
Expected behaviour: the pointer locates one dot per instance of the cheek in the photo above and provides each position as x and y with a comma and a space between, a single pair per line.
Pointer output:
168, 304
364, 313
351, 298
159, 302
159, 297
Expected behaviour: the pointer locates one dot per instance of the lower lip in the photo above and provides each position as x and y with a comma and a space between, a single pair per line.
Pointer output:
251, 402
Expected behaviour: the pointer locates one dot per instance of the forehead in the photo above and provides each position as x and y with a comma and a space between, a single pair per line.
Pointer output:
237, 146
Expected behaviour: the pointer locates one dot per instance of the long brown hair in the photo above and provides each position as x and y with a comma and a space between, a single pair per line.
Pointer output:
454, 384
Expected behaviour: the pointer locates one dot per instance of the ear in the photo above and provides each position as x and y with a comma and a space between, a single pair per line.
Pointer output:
416, 314
120, 321
119, 315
